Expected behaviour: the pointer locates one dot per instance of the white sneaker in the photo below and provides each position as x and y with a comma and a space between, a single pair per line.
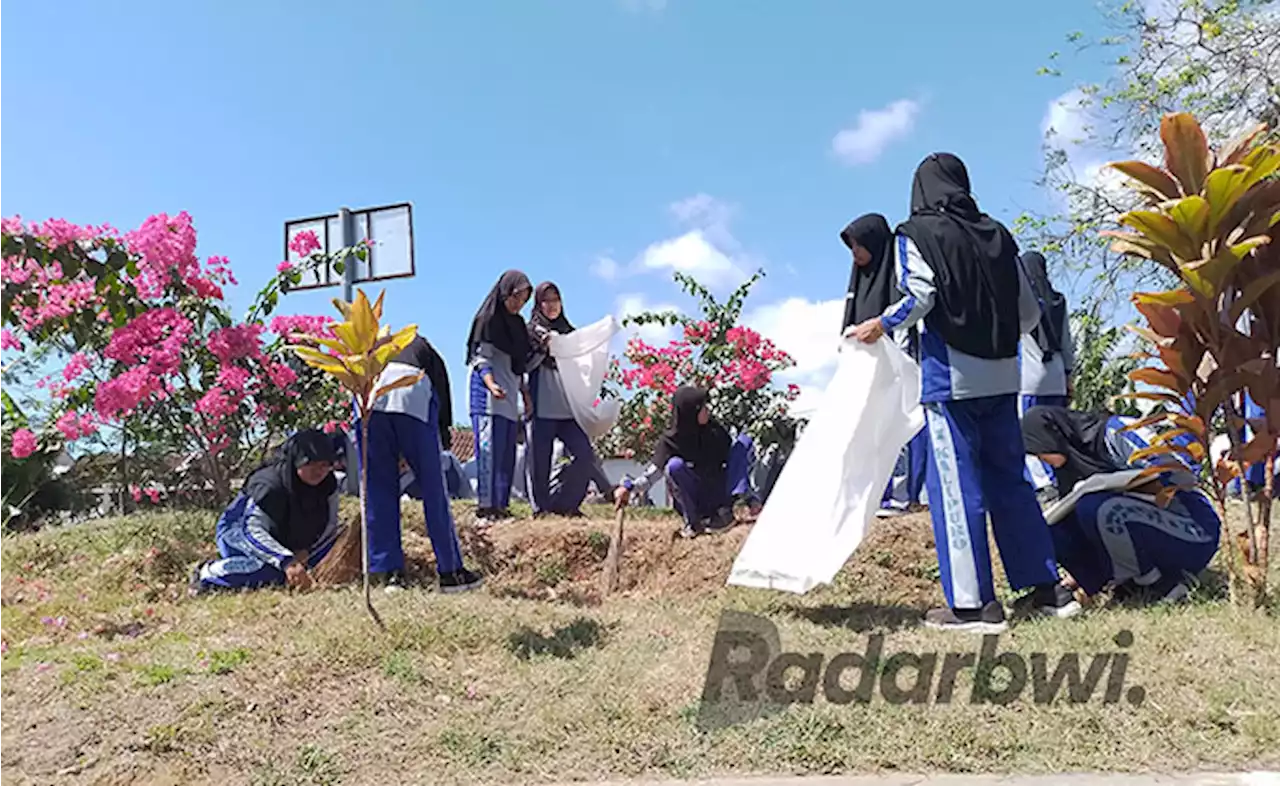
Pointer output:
889, 513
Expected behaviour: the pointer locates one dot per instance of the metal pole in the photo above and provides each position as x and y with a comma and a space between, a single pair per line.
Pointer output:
347, 233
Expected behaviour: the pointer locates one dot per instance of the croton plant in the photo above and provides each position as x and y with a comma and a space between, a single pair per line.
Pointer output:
1212, 219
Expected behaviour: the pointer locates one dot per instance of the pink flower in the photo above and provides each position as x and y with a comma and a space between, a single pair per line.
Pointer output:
281, 375
74, 426
167, 247
284, 267
304, 243
136, 493
24, 443
238, 341
154, 496
8, 341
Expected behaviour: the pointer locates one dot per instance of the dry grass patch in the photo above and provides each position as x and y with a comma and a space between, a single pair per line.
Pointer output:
111, 675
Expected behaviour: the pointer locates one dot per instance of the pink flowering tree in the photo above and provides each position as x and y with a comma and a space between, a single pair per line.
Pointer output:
735, 363
131, 343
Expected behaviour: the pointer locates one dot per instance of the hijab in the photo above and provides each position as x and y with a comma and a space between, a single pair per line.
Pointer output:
705, 447
299, 510
1080, 436
1053, 305
871, 288
559, 325
973, 257
494, 325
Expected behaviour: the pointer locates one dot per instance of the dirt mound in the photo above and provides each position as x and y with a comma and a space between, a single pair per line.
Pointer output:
563, 559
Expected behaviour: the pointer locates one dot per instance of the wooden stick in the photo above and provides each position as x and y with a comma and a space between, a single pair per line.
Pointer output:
612, 561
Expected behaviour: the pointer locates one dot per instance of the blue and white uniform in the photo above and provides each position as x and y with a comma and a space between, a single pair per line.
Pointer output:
405, 422
976, 462
494, 422
274, 517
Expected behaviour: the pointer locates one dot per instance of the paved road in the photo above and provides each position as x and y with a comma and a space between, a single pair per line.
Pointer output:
1071, 779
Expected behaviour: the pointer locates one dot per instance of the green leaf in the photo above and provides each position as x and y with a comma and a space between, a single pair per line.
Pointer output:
1191, 214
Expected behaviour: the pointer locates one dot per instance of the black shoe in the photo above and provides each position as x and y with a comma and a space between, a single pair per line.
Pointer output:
391, 581
988, 619
1166, 589
687, 530
460, 581
1051, 600
723, 519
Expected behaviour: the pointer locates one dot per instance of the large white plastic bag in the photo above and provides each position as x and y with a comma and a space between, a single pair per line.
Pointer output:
832, 484
582, 360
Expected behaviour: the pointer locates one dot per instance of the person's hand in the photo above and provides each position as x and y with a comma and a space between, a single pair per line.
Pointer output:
868, 332
295, 575
621, 496
528, 403
494, 388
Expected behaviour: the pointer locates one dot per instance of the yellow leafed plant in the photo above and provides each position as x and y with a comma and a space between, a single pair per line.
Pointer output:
356, 357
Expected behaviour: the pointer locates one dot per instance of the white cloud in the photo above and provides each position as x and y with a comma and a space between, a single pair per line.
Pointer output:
634, 303
1066, 121
691, 253
875, 130
706, 249
606, 268
809, 331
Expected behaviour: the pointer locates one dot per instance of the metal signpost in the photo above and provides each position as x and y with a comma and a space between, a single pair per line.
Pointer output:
390, 230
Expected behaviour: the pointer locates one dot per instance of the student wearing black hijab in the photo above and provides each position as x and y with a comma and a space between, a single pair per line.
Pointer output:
408, 424
283, 521
706, 470
552, 418
1122, 538
968, 295
874, 299
498, 352
1048, 358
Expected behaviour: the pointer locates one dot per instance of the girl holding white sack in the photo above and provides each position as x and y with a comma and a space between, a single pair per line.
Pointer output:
968, 294
1120, 537
872, 295
552, 417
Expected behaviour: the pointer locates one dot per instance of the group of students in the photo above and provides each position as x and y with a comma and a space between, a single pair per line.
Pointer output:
948, 285
284, 520
985, 325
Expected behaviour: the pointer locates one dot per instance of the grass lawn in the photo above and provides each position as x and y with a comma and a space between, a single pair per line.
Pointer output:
112, 675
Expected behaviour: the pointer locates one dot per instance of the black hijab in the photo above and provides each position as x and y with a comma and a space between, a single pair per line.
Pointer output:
493, 324
705, 447
973, 257
299, 510
871, 288
559, 325
1080, 436
1053, 305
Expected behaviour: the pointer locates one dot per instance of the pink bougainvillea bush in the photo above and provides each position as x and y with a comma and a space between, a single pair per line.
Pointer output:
131, 346
735, 363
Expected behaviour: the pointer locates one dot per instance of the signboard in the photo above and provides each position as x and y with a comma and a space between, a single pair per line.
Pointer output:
389, 228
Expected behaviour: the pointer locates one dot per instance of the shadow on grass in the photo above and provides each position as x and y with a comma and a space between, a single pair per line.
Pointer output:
564, 642
858, 617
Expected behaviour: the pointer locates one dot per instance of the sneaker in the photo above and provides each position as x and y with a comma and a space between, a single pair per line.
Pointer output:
986, 620
1051, 600
723, 519
460, 581
687, 530
889, 513
195, 586
1166, 589
391, 582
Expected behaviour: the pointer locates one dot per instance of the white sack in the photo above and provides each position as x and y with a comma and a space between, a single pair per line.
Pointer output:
832, 484
582, 360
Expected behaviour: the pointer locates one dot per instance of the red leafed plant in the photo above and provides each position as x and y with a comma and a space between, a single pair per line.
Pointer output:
1212, 220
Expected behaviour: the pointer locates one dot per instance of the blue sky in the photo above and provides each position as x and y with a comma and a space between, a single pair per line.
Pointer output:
597, 143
